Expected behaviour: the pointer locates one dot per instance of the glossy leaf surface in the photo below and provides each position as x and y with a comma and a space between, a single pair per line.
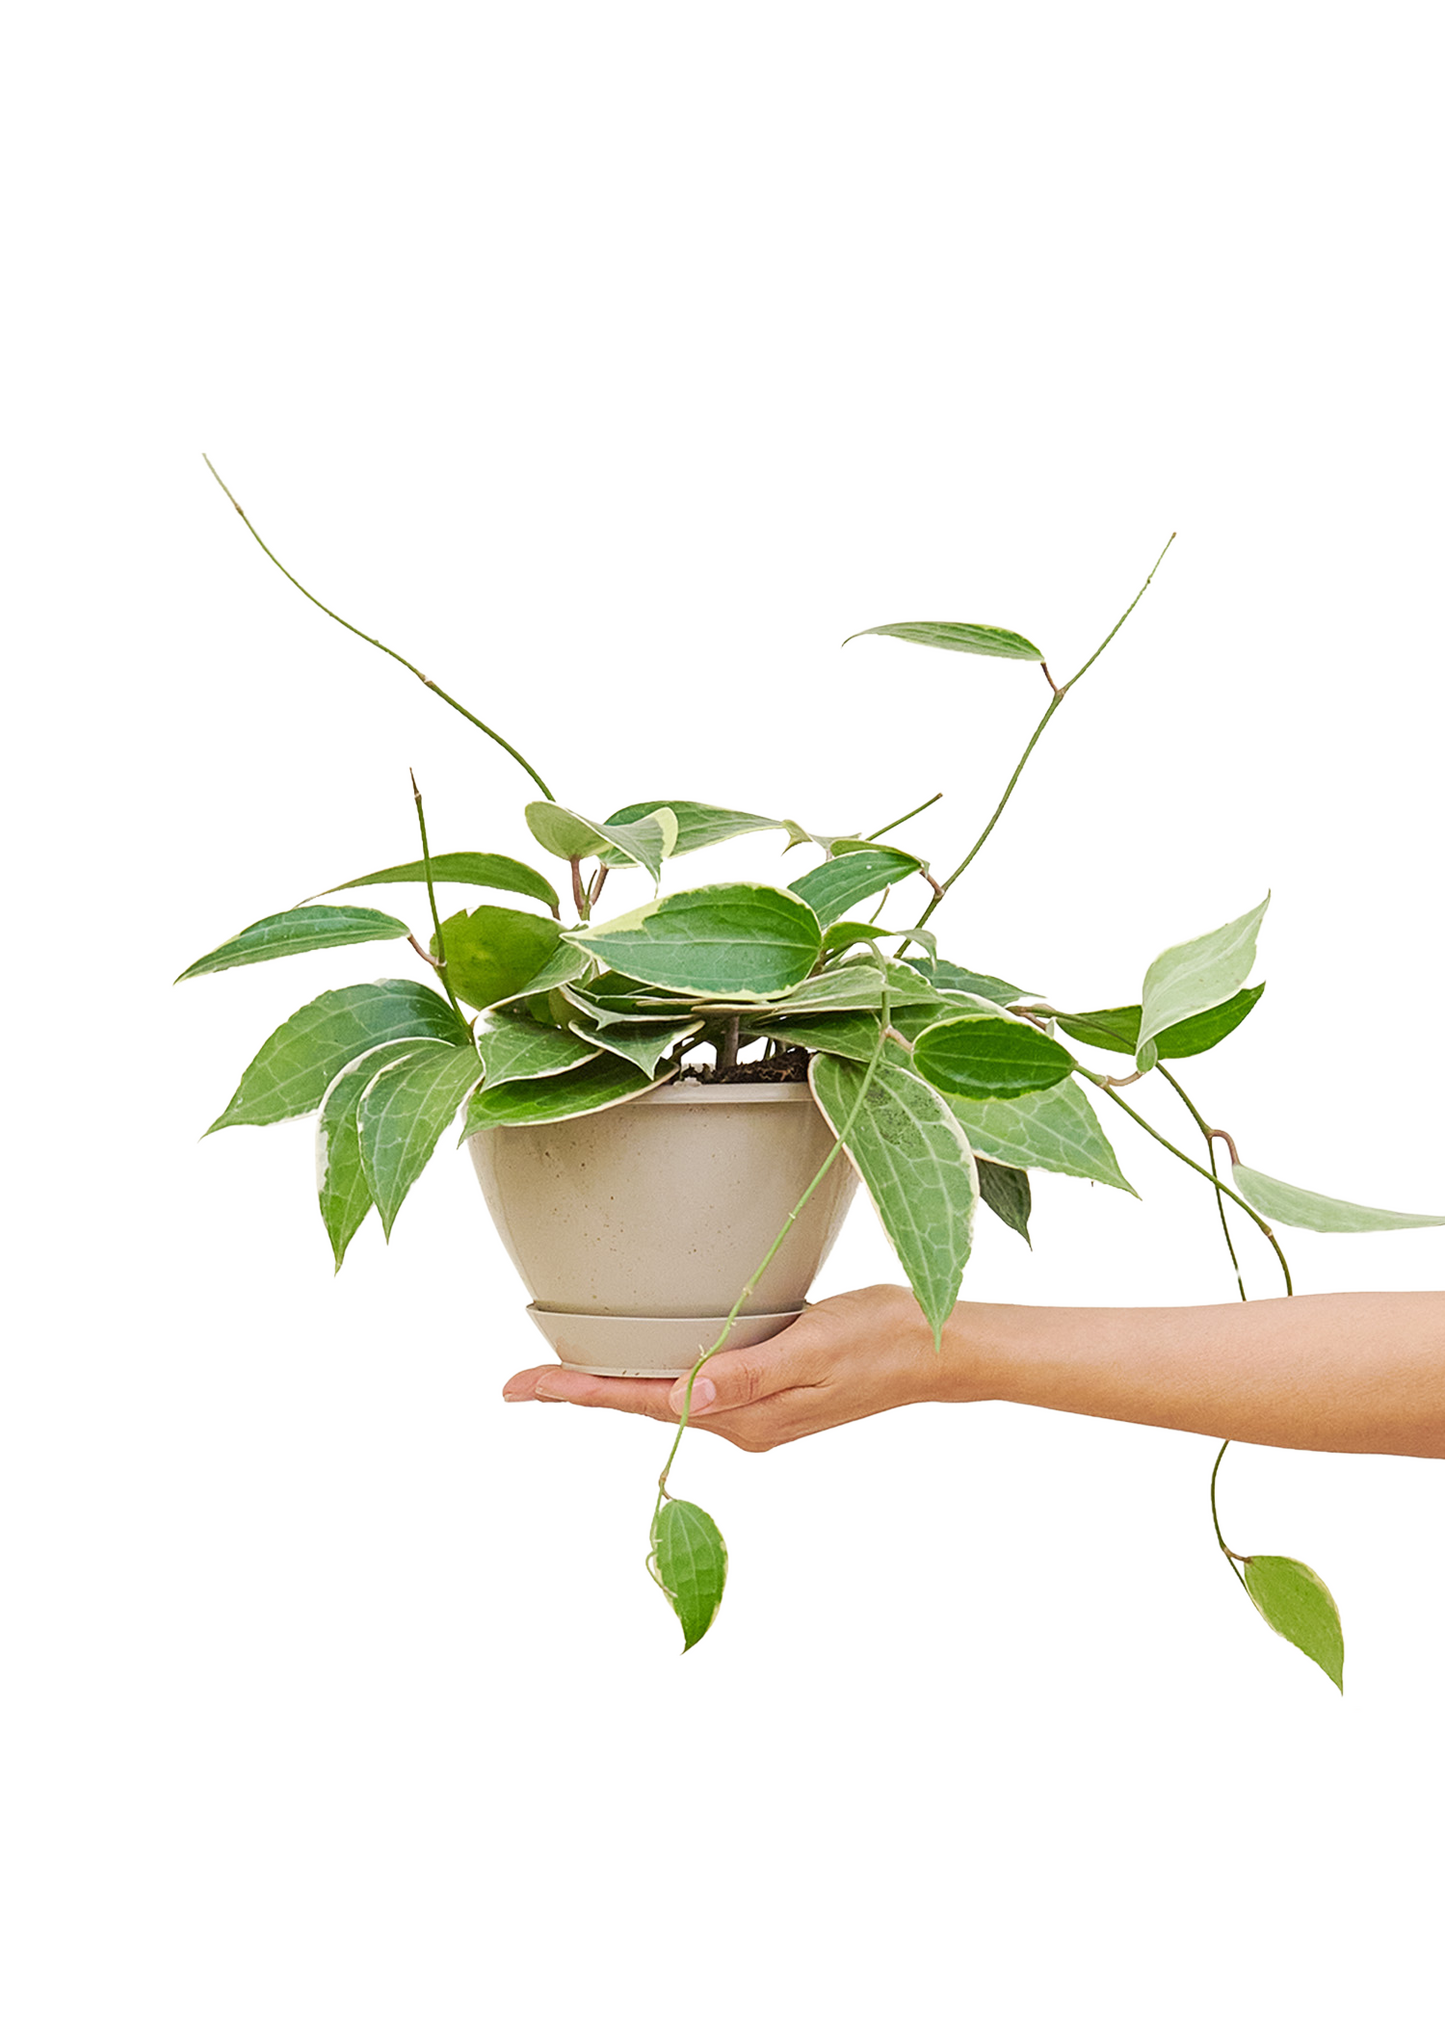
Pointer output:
853, 1035
1117, 1031
699, 824
402, 1114
1277, 1201
343, 1194
743, 940
1054, 1130
991, 640
494, 952
298, 932
518, 1049
643, 1045
854, 985
835, 886
1295, 1602
1006, 1190
596, 1085
690, 1565
298, 1063
949, 976
980, 1056
1197, 975
912, 1156
465, 867
645, 842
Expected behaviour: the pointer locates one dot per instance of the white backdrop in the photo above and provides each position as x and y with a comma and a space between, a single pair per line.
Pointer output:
614, 363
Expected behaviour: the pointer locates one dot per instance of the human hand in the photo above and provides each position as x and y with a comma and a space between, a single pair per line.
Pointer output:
846, 1358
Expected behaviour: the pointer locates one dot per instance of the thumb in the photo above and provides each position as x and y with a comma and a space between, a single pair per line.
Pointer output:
737, 1377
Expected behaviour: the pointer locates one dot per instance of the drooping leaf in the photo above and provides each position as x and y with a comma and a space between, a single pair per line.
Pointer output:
981, 1055
948, 976
853, 1035
643, 1045
1197, 975
913, 1019
1277, 1201
916, 1163
744, 940
1295, 1602
296, 933
853, 985
518, 1049
1117, 1031
341, 1186
294, 1069
699, 825
565, 965
1006, 1190
1054, 1130
402, 1114
645, 842
690, 1565
987, 639
464, 867
495, 952
850, 933
596, 1085
840, 882
610, 998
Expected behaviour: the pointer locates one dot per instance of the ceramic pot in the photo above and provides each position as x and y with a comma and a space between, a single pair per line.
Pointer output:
635, 1228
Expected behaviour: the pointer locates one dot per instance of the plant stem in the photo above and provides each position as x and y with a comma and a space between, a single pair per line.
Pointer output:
1054, 702
425, 680
1232, 1557
1214, 1170
727, 1045
440, 963
887, 826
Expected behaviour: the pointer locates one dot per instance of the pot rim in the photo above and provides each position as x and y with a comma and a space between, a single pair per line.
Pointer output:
727, 1092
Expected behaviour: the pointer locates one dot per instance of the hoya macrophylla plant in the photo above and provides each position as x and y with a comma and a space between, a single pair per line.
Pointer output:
944, 1085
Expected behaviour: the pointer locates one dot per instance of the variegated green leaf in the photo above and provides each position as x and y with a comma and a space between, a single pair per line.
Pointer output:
1052, 1129
1297, 1605
915, 1161
690, 1564
464, 867
1277, 1201
517, 1049
298, 932
984, 1055
496, 952
596, 1085
841, 882
646, 842
341, 1186
853, 1035
990, 640
402, 1114
643, 1045
853, 985
294, 1069
699, 825
1117, 1030
948, 976
1196, 975
746, 940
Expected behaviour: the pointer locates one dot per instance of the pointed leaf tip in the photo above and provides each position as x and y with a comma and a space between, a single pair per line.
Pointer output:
690, 1565
1297, 1605
991, 640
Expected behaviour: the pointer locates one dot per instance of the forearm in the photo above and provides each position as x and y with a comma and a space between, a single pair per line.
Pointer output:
1344, 1372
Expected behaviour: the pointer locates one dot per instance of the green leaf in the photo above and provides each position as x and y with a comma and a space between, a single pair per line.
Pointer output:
341, 1186
948, 976
916, 1163
517, 1049
596, 1085
1006, 1190
849, 933
852, 1035
495, 952
745, 940
1117, 1031
464, 867
987, 639
690, 1564
611, 998
402, 1114
854, 985
699, 824
982, 1055
296, 1066
1053, 1129
1295, 1602
296, 933
832, 887
643, 1045
1197, 975
565, 965
645, 842
1277, 1201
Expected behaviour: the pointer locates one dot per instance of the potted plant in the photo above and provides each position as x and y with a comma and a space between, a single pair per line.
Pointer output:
667, 1106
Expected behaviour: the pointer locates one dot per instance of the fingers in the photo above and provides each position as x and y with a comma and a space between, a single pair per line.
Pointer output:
552, 1385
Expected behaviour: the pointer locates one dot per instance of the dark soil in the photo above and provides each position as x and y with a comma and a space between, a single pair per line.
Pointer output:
790, 1066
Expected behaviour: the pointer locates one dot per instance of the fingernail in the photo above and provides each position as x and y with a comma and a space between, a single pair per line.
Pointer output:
704, 1393
515, 1397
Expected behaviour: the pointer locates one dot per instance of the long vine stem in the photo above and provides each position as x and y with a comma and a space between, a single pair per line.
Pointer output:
885, 1021
898, 824
439, 964
1055, 700
425, 679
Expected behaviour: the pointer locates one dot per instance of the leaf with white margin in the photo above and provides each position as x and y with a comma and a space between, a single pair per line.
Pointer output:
948, 976
746, 941
1053, 1129
643, 1045
341, 1185
596, 1085
1297, 1605
832, 887
916, 1163
1277, 1201
298, 1063
1195, 976
464, 867
520, 1050
854, 985
853, 1035
299, 932
992, 640
402, 1114
646, 842
699, 825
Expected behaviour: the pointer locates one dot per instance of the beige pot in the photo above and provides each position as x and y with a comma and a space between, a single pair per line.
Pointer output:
635, 1228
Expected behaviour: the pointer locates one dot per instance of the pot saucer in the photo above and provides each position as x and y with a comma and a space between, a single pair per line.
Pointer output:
625, 1345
